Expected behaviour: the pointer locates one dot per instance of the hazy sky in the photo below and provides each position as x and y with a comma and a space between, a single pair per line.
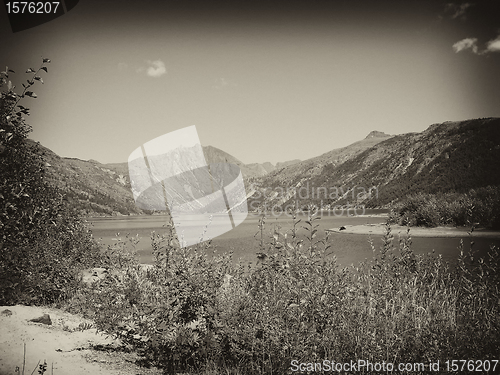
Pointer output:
261, 80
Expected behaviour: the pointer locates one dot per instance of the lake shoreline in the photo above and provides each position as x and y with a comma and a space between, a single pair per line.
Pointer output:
379, 229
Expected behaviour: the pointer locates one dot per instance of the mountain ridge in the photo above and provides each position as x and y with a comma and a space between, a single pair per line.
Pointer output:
377, 134
451, 156
456, 155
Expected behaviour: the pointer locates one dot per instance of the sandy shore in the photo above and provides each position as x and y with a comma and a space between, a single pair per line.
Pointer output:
66, 348
379, 229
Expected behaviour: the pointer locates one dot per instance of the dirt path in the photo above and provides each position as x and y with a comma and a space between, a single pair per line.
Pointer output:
62, 344
379, 229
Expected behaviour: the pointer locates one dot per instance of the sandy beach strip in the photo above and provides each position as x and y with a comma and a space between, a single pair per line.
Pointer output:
379, 229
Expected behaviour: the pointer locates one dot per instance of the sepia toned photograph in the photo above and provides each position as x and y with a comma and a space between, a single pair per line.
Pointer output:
246, 187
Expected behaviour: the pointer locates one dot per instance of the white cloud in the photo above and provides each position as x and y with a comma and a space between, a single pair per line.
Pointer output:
493, 45
471, 43
155, 69
122, 66
458, 10
465, 44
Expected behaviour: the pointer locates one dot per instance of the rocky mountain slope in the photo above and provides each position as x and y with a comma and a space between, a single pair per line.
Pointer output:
215, 155
91, 187
314, 166
452, 156
104, 189
375, 171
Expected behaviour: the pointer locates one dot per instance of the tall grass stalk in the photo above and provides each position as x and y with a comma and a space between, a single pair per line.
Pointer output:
298, 304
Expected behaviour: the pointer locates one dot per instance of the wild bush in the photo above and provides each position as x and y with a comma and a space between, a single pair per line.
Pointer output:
42, 241
297, 304
476, 207
167, 312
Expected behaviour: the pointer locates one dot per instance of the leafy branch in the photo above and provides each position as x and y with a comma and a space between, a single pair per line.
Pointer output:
30, 82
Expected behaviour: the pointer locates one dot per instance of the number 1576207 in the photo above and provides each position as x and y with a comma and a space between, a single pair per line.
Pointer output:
26, 7
471, 365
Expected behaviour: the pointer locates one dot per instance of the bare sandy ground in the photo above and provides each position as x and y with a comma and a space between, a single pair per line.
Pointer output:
379, 229
66, 349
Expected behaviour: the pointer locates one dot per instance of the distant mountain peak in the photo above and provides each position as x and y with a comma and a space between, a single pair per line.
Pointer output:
376, 134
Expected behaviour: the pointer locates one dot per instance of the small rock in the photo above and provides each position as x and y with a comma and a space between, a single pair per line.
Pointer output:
6, 312
342, 228
45, 319
227, 281
92, 275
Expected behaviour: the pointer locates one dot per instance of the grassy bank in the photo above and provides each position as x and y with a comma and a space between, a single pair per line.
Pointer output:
185, 314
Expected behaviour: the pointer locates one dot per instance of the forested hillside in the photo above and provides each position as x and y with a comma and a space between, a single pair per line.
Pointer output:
447, 157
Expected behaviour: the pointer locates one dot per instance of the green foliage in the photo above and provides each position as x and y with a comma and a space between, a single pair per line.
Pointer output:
42, 241
185, 314
168, 312
477, 207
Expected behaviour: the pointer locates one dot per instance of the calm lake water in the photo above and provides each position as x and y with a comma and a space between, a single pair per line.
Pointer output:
243, 241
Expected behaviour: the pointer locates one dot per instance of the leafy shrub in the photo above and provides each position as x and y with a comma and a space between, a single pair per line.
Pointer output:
296, 304
42, 242
167, 312
486, 209
417, 210
477, 207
